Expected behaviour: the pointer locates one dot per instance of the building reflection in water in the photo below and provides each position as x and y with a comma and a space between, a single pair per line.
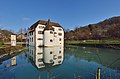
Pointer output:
6, 69
13, 61
44, 56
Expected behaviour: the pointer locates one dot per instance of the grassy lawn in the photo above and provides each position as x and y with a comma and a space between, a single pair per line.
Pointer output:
18, 43
94, 42
6, 44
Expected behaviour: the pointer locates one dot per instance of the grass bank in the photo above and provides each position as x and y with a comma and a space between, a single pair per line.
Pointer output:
96, 43
8, 49
18, 43
8, 52
6, 44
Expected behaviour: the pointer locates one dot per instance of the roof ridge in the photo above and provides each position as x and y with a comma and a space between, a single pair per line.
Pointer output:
43, 22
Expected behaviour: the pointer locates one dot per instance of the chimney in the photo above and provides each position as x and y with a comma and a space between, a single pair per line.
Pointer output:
48, 22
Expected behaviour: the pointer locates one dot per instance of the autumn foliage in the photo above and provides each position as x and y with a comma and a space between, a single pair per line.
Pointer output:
107, 29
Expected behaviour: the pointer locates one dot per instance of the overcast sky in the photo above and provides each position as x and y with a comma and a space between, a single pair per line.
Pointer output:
16, 14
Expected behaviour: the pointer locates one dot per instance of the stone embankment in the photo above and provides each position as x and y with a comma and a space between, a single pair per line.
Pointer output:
10, 51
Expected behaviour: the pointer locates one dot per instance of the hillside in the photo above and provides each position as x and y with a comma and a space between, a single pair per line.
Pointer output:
5, 35
107, 29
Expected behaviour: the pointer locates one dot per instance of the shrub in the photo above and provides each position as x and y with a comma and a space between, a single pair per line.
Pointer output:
1, 43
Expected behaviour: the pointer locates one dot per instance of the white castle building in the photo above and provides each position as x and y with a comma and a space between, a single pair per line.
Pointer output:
45, 33
47, 55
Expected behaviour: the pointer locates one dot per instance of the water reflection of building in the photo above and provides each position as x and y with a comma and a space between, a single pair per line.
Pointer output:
13, 61
6, 69
42, 57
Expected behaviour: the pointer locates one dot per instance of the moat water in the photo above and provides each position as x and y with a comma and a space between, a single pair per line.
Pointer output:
69, 62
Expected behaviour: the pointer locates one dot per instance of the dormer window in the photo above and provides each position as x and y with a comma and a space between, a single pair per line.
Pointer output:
41, 27
60, 29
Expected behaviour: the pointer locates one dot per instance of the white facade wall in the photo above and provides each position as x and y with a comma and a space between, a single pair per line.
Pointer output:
56, 39
58, 36
39, 37
36, 55
44, 39
39, 56
48, 38
58, 55
48, 54
13, 40
53, 55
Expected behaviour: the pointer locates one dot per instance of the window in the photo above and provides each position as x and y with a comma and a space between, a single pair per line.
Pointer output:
40, 32
60, 34
28, 40
51, 61
40, 39
32, 39
50, 52
59, 51
55, 33
51, 40
41, 27
60, 39
59, 61
59, 57
39, 53
29, 34
39, 60
41, 64
51, 32
32, 52
54, 57
60, 29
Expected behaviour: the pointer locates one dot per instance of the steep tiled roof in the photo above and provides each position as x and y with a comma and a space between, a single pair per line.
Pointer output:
43, 23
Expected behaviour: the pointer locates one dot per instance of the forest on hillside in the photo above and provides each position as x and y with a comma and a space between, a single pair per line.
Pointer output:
104, 30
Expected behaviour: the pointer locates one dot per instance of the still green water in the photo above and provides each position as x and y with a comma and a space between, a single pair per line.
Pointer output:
69, 62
